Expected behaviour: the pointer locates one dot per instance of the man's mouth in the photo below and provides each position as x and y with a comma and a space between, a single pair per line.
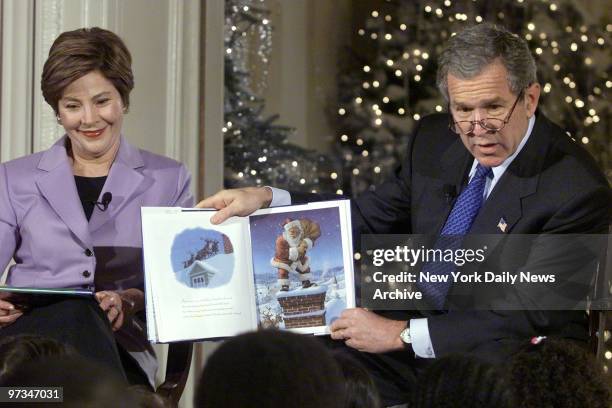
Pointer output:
486, 148
92, 133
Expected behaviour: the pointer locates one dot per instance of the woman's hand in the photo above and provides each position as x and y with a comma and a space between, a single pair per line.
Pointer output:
120, 306
112, 305
8, 313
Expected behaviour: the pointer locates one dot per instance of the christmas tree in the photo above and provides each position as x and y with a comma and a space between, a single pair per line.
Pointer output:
387, 82
257, 151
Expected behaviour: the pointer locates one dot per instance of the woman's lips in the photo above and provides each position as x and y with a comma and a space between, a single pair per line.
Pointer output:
92, 133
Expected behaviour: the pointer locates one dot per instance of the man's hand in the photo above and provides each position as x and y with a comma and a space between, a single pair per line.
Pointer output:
239, 201
366, 331
8, 313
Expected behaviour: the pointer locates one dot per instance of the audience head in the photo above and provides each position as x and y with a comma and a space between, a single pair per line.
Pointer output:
84, 383
360, 391
15, 351
461, 381
271, 368
558, 373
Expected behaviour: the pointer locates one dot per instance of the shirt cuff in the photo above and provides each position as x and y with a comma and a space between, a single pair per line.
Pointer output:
279, 197
421, 342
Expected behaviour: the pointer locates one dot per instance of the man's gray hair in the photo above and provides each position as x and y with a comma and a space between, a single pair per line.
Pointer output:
471, 50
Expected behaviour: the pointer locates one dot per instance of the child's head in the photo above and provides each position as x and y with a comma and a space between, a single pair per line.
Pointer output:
558, 372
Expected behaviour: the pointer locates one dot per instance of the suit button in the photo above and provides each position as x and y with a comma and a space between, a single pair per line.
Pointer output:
88, 252
87, 274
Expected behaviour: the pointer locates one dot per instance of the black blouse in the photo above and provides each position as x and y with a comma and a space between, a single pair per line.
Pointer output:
89, 189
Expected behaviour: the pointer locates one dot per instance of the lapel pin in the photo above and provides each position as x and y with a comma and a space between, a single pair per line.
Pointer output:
502, 224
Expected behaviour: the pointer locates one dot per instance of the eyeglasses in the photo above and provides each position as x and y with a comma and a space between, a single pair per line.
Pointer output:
488, 124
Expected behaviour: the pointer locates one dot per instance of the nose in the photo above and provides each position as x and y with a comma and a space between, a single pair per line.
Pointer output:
478, 130
90, 116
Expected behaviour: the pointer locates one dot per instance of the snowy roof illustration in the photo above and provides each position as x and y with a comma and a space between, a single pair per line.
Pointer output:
212, 272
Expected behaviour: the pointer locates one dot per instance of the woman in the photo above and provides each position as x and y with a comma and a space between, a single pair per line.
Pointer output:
70, 215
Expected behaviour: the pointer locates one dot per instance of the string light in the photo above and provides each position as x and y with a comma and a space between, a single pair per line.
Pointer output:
385, 99
416, 116
358, 100
341, 111
403, 27
388, 36
359, 141
374, 13
333, 175
366, 68
398, 72
344, 138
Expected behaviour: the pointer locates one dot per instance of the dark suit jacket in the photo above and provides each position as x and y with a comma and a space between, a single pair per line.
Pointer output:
552, 186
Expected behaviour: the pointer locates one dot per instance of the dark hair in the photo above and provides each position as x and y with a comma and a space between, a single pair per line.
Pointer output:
473, 48
84, 383
558, 373
271, 368
359, 387
79, 52
16, 351
461, 381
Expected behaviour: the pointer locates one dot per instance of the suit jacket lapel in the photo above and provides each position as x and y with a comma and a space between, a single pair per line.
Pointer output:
57, 186
455, 164
518, 181
124, 182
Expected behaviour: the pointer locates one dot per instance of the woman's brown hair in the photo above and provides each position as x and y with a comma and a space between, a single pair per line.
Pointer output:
79, 52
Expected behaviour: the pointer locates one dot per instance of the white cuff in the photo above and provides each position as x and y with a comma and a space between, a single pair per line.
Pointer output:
279, 197
305, 276
293, 254
421, 342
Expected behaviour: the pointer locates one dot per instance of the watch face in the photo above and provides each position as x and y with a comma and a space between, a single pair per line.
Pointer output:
405, 336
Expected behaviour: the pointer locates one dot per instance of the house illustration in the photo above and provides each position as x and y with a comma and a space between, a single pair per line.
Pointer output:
199, 275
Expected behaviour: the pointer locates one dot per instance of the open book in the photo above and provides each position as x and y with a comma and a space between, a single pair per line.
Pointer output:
286, 267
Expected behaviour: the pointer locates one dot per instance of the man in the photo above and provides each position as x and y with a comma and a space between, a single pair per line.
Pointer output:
290, 251
493, 157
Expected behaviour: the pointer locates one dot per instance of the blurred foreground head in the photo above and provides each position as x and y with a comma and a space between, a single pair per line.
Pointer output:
271, 368
84, 383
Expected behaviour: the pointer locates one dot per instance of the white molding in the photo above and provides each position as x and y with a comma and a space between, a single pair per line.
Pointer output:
190, 112
173, 79
182, 91
49, 22
16, 126
213, 46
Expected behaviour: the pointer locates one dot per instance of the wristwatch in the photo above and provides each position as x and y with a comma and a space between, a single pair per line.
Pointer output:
405, 334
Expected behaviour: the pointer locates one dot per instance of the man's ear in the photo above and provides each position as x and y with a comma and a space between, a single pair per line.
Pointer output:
532, 96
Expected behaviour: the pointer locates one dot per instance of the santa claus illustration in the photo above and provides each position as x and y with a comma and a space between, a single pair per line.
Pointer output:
291, 247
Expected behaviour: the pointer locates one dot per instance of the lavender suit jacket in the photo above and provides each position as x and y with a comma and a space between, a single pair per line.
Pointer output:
44, 229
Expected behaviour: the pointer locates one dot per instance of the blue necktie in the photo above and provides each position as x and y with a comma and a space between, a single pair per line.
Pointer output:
458, 224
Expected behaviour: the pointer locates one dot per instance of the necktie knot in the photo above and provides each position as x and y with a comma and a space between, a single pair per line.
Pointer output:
482, 172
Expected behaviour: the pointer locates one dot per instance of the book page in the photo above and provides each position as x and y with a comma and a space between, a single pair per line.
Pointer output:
303, 282
197, 274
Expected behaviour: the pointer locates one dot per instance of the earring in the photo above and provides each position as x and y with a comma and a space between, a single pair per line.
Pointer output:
59, 120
